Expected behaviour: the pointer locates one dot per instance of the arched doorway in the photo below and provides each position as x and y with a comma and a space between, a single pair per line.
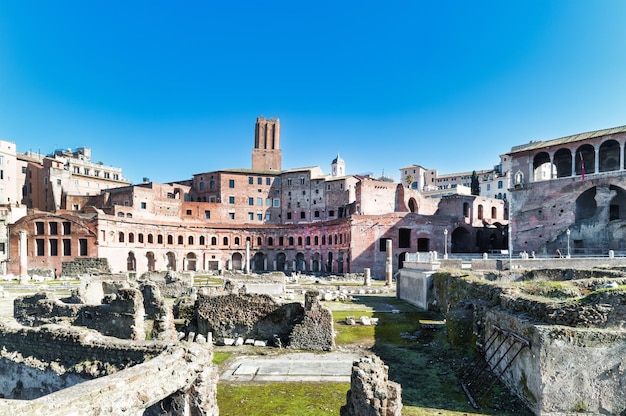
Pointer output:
300, 263
329, 263
171, 261
461, 241
543, 170
281, 260
340, 262
151, 261
258, 262
131, 262
191, 262
237, 261
316, 263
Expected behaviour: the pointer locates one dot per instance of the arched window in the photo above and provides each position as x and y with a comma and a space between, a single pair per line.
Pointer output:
299, 241
307, 241
121, 237
225, 241
140, 238
323, 240
190, 240
131, 237
236, 241
270, 241
291, 241
213, 241
316, 240
180, 239
150, 239
129, 215
259, 241
202, 241
480, 212
159, 239
120, 214
170, 239
494, 212
201, 186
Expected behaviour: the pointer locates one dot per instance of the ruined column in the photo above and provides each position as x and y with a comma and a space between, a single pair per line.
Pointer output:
367, 277
23, 258
247, 257
389, 263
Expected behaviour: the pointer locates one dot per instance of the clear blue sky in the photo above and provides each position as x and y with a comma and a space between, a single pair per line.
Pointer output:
167, 89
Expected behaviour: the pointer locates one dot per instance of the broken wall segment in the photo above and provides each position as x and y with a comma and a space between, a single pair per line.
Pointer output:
315, 332
184, 369
371, 393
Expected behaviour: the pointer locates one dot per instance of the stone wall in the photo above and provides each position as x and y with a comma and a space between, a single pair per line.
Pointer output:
184, 372
261, 317
74, 348
121, 315
371, 393
81, 266
315, 332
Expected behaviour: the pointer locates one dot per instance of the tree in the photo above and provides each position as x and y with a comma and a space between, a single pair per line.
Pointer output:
409, 180
475, 184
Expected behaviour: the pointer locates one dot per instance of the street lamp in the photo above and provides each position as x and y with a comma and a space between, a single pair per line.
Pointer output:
568, 232
445, 244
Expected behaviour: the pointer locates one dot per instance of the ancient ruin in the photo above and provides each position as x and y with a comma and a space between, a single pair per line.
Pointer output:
554, 336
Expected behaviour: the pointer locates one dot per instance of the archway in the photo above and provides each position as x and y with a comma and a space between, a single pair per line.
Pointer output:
413, 205
131, 262
171, 261
585, 159
542, 168
151, 261
191, 262
609, 156
281, 261
563, 163
329, 263
258, 262
237, 261
316, 263
300, 263
586, 205
461, 241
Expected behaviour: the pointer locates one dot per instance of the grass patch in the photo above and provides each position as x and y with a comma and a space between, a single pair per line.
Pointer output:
285, 399
220, 357
207, 280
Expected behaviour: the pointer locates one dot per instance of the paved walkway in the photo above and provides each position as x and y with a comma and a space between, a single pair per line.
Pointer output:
292, 367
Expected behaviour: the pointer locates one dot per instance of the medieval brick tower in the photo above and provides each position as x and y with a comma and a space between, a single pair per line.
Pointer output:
266, 154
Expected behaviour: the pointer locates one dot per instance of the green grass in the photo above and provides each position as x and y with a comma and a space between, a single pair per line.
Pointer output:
285, 399
220, 357
207, 280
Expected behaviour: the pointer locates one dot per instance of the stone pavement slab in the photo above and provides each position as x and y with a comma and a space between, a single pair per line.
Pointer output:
292, 367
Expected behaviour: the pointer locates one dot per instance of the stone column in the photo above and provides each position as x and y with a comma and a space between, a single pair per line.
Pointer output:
596, 153
367, 277
265, 263
574, 163
621, 156
552, 173
389, 263
23, 258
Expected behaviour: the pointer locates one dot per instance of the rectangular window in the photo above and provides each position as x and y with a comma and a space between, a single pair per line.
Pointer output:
382, 244
259, 181
281, 241
23, 169
289, 215
231, 199
116, 177
2, 247
250, 216
39, 228
259, 202
188, 212
268, 181
67, 247
302, 215
231, 183
54, 247
39, 246
289, 182
82, 247
301, 181
259, 216
404, 238
268, 216
207, 214
54, 228
144, 205
250, 201
250, 180
331, 213
268, 202
231, 215
276, 202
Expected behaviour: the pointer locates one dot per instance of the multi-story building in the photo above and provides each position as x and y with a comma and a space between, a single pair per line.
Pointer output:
291, 220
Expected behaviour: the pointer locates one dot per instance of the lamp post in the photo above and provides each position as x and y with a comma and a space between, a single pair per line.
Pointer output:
568, 232
445, 244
